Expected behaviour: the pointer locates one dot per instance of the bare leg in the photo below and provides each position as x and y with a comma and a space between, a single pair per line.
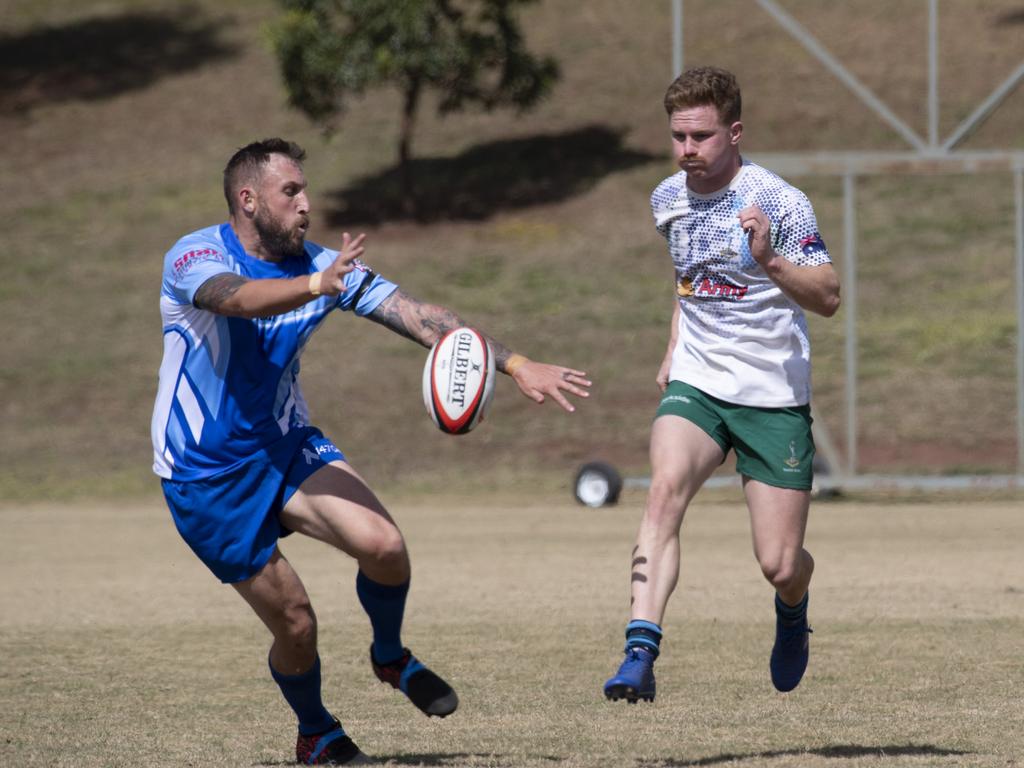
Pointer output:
335, 506
683, 456
778, 520
278, 597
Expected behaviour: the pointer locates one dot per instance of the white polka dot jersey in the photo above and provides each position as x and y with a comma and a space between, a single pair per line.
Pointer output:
740, 338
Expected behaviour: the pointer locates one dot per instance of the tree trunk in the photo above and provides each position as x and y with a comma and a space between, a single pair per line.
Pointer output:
408, 192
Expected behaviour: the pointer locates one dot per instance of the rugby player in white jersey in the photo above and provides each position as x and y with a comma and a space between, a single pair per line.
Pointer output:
240, 464
748, 261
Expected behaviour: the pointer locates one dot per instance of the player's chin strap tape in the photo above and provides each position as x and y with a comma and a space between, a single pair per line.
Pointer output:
364, 286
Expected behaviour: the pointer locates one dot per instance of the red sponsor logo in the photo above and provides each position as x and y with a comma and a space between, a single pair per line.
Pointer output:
709, 288
186, 260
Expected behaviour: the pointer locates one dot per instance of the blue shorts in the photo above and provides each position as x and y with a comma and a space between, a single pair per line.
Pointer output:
231, 521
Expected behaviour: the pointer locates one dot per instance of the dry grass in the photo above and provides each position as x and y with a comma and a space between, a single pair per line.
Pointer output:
120, 650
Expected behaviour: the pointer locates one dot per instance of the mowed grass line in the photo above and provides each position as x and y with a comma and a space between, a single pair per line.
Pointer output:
120, 650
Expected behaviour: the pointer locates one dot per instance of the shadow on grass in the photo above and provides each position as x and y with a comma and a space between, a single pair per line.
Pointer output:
435, 759
489, 178
98, 58
1010, 17
456, 758
837, 751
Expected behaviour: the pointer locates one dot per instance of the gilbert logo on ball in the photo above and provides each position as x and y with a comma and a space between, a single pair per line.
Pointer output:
458, 380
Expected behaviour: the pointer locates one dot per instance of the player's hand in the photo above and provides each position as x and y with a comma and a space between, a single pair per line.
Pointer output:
755, 223
540, 380
333, 280
663, 371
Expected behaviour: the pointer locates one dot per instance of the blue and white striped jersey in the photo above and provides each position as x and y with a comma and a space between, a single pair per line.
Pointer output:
229, 386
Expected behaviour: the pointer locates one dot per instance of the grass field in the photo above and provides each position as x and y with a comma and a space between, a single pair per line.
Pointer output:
119, 649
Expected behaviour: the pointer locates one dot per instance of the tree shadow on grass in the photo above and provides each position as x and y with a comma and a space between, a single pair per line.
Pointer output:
489, 178
848, 751
98, 58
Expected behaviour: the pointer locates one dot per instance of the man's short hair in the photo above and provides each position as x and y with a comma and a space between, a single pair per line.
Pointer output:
706, 86
246, 165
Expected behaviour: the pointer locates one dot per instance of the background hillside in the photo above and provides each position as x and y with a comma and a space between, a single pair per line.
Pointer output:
117, 118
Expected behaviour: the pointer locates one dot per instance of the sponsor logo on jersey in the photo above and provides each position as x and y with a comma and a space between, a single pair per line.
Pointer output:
327, 447
710, 289
729, 253
184, 263
320, 449
812, 245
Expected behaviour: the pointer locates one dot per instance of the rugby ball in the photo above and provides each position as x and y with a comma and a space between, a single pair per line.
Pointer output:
458, 380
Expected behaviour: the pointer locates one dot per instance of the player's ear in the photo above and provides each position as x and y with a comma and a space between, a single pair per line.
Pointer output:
247, 200
735, 132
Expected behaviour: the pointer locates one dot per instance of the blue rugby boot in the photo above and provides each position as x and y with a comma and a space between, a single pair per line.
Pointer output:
635, 678
792, 645
432, 695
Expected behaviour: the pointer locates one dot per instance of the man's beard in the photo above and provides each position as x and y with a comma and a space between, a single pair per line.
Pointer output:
277, 239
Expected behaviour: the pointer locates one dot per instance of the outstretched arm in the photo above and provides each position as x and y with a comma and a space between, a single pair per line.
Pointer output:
236, 296
426, 323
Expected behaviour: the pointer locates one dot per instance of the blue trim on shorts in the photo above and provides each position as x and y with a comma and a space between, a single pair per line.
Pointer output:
231, 521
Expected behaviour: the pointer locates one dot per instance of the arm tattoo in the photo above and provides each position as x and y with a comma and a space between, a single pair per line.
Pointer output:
406, 316
425, 323
214, 292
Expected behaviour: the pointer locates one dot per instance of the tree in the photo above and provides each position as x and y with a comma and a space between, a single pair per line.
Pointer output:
469, 51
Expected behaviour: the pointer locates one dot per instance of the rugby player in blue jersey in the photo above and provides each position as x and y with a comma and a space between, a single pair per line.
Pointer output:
736, 374
240, 464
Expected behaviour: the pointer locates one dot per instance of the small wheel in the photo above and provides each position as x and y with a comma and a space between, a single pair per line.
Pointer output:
597, 484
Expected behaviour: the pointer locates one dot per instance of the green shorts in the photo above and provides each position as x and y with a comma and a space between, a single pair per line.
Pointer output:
773, 445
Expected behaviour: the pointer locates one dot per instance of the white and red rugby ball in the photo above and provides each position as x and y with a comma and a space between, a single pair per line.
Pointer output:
458, 380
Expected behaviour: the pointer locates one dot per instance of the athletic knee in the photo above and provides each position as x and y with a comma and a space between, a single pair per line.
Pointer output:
665, 504
385, 552
784, 571
298, 625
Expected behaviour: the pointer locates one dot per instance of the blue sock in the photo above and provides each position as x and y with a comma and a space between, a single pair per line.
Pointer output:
302, 692
644, 634
791, 614
385, 605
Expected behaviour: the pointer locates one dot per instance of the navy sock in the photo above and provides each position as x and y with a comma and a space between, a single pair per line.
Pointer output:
644, 634
302, 692
385, 605
791, 614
